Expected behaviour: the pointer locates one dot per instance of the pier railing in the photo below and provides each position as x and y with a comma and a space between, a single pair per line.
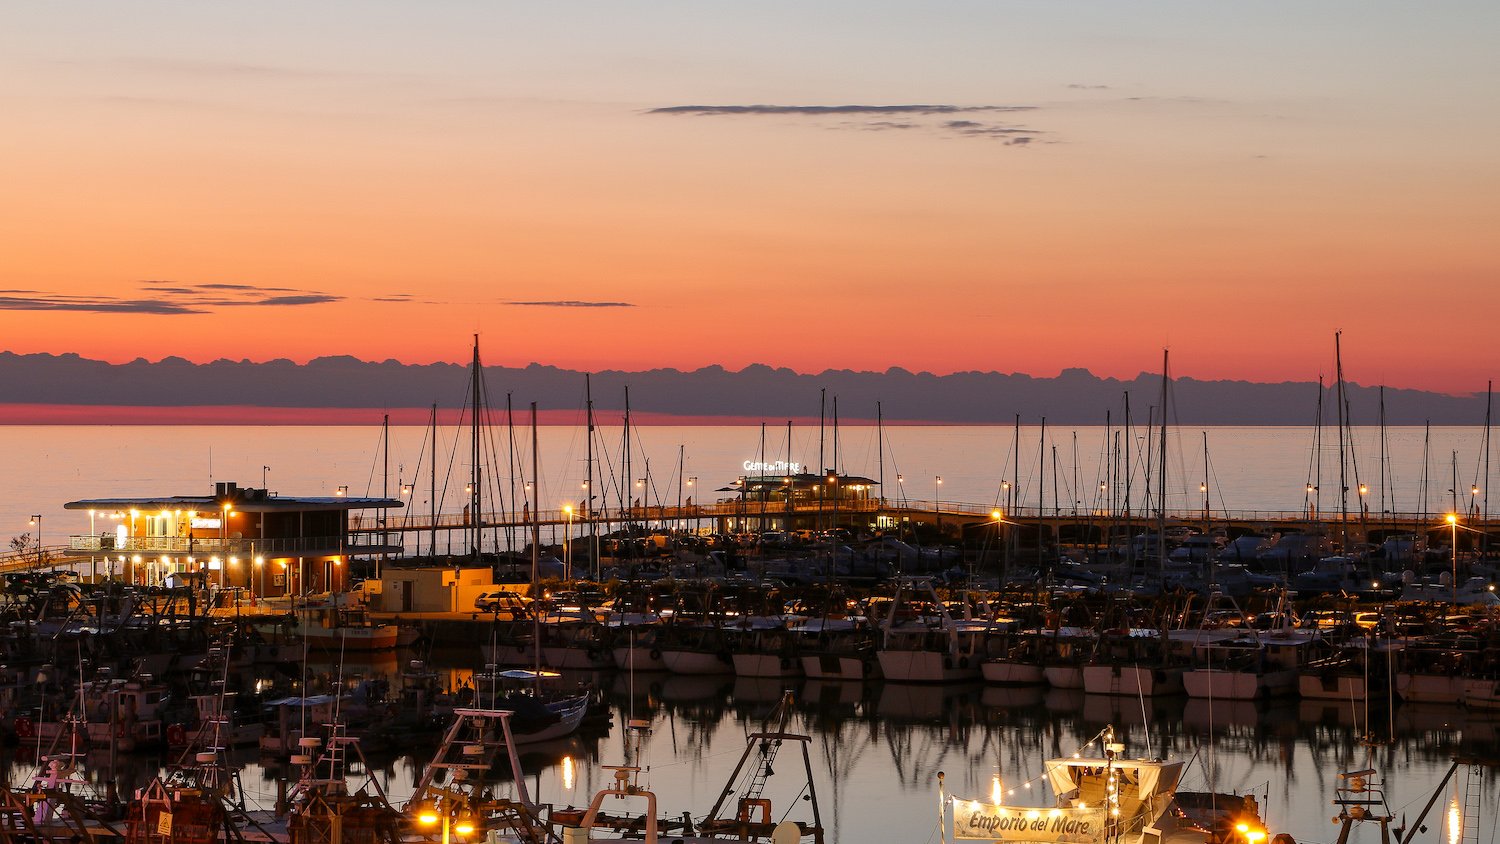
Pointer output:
751, 510
200, 547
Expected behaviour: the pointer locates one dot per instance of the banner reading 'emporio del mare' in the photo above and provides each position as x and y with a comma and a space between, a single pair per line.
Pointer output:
988, 822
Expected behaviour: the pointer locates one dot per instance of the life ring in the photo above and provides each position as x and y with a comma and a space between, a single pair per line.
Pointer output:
176, 735
24, 728
656, 653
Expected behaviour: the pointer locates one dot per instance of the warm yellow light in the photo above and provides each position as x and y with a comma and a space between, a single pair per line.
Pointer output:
1452, 519
136, 559
259, 560
568, 508
427, 817
567, 772
1255, 835
1364, 490
234, 561
464, 827
996, 515
995, 791
1455, 823
1242, 828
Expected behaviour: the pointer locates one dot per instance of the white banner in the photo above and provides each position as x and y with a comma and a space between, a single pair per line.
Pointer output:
988, 822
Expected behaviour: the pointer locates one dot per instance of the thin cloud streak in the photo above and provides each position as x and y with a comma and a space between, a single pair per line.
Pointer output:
815, 111
571, 303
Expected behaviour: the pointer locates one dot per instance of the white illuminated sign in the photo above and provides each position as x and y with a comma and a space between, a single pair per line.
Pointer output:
780, 467
206, 524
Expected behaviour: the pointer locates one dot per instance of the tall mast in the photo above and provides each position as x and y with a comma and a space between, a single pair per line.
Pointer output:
588, 484
625, 484
1426, 463
760, 490
385, 489
681, 458
432, 498
834, 488
1161, 480
510, 459
1338, 365
1129, 476
536, 548
476, 478
1041, 495
822, 465
1489, 390
879, 450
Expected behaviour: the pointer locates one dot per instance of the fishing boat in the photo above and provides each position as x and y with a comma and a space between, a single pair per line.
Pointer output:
1107, 798
1132, 661
763, 646
930, 646
837, 649
344, 628
743, 812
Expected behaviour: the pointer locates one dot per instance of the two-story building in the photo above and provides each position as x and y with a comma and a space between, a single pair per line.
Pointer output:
262, 541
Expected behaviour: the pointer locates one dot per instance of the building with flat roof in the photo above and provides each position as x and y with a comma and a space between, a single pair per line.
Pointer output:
268, 543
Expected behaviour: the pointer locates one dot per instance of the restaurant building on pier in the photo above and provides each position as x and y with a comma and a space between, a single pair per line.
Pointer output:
258, 540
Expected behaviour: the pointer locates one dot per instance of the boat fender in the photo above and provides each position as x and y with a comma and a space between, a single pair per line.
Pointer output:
656, 653
275, 651
176, 735
785, 663
947, 662
867, 668
520, 649
725, 657
963, 662
1283, 838
592, 654
24, 727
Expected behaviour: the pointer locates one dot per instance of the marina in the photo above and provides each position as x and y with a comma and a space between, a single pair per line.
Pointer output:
890, 680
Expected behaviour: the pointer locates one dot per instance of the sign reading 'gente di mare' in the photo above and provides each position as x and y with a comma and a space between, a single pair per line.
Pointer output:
780, 467
989, 822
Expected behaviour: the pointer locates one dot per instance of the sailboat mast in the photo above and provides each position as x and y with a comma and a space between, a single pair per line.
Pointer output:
880, 453
536, 548
1041, 495
588, 484
822, 466
1161, 480
1129, 476
476, 535
1338, 365
385, 490
1489, 390
432, 497
627, 480
510, 460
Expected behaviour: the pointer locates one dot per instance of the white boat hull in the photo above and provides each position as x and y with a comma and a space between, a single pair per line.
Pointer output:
638, 659
1133, 680
840, 667
926, 667
1430, 688
1064, 676
587, 659
697, 662
1218, 684
1482, 694
766, 665
1331, 687
1006, 672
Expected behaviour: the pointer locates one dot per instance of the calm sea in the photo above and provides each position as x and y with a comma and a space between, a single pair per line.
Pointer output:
1248, 468
876, 748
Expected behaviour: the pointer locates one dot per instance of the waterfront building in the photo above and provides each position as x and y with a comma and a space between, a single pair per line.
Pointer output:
267, 543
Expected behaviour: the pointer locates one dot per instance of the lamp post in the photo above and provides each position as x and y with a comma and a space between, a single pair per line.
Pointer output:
937, 508
1453, 527
568, 544
41, 551
429, 815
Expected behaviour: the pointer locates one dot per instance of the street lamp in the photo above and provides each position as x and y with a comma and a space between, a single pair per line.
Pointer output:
1453, 526
41, 552
428, 815
568, 544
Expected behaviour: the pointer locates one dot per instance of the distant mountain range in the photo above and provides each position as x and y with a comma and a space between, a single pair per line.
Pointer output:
1075, 397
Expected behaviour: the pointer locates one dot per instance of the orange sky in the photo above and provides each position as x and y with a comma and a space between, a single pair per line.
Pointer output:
1233, 183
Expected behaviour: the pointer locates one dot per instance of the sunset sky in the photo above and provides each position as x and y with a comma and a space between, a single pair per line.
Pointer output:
942, 186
